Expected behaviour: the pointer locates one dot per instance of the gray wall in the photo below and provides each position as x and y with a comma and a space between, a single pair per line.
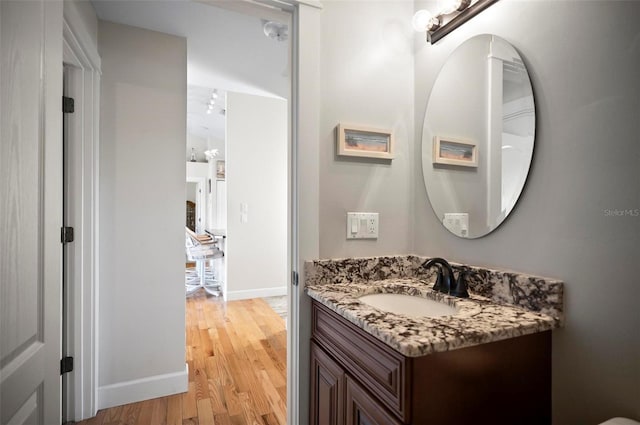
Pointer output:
584, 63
142, 198
367, 79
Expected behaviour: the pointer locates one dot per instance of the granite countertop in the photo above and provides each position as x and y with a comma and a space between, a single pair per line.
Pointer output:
480, 319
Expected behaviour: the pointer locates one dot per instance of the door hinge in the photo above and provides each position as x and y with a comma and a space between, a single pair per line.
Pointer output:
294, 278
68, 105
66, 365
66, 234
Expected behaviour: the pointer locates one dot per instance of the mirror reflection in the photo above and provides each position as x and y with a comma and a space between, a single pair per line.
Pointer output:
478, 136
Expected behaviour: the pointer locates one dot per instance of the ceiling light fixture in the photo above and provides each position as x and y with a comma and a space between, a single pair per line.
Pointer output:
212, 101
275, 30
451, 15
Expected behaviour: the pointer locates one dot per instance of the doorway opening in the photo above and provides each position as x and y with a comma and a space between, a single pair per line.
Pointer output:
248, 212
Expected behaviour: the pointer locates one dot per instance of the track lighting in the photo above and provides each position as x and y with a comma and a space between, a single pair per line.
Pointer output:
212, 101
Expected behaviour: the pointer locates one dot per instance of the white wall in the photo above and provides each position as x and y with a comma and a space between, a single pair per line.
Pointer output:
142, 214
366, 78
215, 143
199, 144
218, 41
256, 173
202, 144
197, 170
586, 157
192, 189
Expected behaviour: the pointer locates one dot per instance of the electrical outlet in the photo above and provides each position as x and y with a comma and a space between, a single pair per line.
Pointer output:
362, 225
372, 226
457, 223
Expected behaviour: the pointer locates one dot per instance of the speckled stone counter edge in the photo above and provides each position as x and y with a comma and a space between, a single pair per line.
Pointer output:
533, 293
478, 321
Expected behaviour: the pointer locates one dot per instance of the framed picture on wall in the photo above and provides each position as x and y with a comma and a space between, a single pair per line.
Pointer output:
366, 142
452, 151
220, 171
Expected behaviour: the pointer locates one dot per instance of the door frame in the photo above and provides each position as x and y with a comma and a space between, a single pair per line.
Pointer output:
304, 181
201, 206
80, 57
304, 203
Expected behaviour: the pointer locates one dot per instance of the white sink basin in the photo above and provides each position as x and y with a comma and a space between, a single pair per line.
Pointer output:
408, 305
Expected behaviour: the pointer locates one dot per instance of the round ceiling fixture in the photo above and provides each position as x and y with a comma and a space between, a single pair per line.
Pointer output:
276, 30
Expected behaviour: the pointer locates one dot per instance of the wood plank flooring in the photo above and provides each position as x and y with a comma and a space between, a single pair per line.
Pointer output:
236, 353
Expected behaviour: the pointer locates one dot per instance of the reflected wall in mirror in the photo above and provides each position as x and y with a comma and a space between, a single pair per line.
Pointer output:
482, 95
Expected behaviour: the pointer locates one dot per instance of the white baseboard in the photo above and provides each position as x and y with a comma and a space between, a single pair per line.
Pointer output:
255, 293
143, 389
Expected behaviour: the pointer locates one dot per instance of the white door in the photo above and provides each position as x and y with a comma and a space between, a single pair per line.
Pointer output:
196, 194
30, 211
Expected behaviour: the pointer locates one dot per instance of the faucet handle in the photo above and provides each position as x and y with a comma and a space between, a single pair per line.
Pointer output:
459, 288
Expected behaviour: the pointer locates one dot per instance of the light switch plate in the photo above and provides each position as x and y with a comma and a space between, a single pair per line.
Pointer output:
457, 223
362, 225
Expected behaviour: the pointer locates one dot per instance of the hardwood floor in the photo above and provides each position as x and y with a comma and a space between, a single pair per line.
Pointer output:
236, 353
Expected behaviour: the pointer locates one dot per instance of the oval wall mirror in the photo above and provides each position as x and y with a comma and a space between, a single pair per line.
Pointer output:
478, 135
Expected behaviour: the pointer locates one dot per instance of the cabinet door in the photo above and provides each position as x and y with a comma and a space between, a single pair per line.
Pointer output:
362, 409
327, 389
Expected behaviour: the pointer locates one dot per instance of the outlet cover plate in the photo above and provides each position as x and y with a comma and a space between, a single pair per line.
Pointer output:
362, 225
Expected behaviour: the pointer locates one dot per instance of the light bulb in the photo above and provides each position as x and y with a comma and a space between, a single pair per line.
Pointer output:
212, 102
450, 6
214, 95
462, 4
209, 111
447, 6
421, 20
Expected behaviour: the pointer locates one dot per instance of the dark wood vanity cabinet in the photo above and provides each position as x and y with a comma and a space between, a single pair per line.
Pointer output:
357, 379
327, 389
363, 409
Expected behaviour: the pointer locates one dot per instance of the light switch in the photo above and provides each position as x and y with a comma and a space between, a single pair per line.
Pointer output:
355, 224
244, 212
362, 225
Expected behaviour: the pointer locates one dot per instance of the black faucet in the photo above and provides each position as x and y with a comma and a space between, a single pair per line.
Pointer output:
445, 281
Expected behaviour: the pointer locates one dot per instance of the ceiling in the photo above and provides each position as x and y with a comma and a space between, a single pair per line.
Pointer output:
227, 50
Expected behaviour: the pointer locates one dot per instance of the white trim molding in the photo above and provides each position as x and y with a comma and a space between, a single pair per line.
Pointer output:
75, 25
143, 389
305, 103
256, 293
80, 56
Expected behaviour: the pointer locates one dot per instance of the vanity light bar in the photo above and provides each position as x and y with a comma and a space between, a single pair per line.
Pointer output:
435, 26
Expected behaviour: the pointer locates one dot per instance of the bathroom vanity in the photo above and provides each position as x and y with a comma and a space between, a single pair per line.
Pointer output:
489, 363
